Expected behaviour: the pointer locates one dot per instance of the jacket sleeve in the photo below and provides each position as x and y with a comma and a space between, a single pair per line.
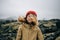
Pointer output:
18, 37
40, 35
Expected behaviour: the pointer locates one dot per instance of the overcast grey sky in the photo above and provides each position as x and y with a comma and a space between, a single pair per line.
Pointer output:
46, 9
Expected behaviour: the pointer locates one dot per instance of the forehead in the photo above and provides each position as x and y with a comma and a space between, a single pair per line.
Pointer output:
31, 15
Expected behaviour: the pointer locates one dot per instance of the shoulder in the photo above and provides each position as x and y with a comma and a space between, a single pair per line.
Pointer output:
20, 26
38, 29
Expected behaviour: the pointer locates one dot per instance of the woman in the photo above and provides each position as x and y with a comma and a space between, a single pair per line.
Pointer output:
29, 30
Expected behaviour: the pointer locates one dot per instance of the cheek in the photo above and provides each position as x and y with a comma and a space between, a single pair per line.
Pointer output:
28, 18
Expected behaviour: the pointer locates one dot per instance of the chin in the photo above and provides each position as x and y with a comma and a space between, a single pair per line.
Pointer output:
32, 23
29, 21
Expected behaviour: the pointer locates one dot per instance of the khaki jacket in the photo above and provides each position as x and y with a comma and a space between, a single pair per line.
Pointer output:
25, 32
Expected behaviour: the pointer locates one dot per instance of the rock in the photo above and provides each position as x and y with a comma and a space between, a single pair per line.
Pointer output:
50, 29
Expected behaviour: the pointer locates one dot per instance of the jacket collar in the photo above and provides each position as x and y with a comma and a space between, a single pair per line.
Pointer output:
29, 27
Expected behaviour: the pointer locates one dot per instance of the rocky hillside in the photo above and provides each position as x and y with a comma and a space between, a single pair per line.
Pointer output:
50, 29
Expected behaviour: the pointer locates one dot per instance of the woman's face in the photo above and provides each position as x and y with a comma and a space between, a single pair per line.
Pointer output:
31, 18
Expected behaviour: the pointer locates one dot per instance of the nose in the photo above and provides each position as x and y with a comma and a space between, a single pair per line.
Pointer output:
31, 18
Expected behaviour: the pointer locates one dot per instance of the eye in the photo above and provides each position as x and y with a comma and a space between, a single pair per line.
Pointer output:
29, 16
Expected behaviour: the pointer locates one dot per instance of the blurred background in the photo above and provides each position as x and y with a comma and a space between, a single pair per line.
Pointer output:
46, 9
48, 12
